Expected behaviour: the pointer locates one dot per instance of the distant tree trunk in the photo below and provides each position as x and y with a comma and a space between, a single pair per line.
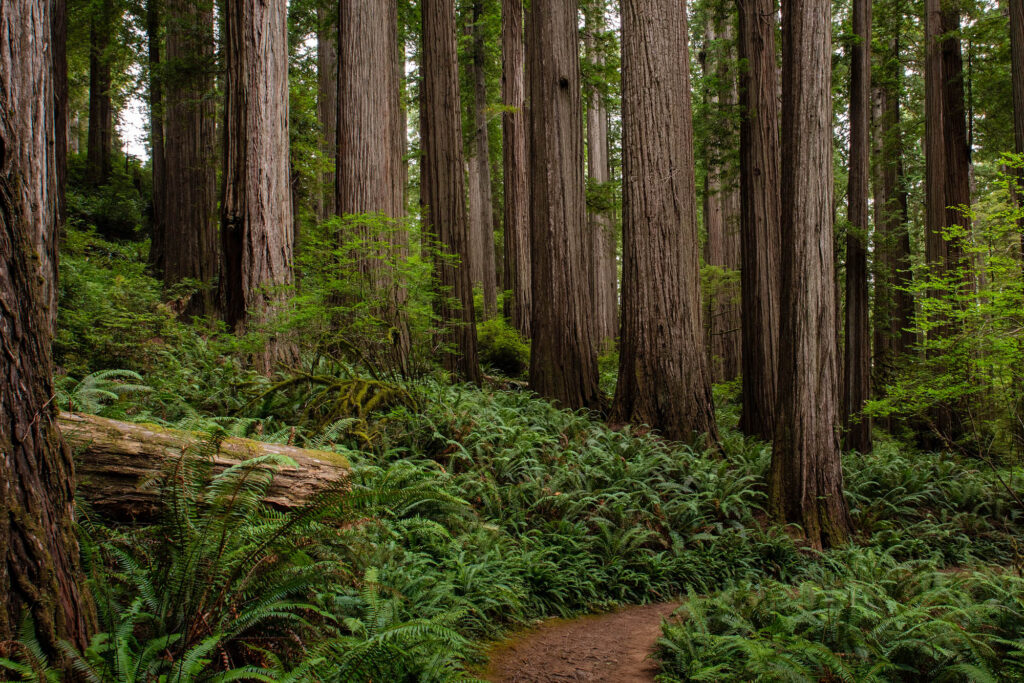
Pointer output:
1017, 74
760, 217
481, 204
327, 103
515, 162
443, 189
158, 221
934, 149
370, 145
101, 113
190, 221
256, 209
954, 121
563, 362
857, 357
40, 572
806, 479
59, 41
663, 375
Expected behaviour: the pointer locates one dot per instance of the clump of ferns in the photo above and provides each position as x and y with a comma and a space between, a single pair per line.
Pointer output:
98, 391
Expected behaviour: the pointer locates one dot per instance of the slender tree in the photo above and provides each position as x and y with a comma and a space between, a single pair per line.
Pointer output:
190, 220
256, 205
101, 112
40, 572
443, 188
1017, 74
663, 375
806, 478
857, 357
156, 136
760, 216
327, 102
515, 164
563, 361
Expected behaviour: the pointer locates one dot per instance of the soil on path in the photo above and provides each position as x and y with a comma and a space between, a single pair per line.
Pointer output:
614, 647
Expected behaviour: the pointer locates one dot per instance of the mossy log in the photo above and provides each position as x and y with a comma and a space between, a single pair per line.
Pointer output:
116, 463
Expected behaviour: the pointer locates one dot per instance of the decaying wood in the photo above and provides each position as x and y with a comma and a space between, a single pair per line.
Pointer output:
117, 462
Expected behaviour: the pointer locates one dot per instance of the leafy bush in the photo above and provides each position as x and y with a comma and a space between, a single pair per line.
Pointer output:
501, 347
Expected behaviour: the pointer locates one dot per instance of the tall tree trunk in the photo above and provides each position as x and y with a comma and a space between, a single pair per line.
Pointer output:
327, 104
954, 122
1017, 74
515, 161
663, 375
481, 204
857, 356
158, 222
600, 223
934, 149
190, 220
563, 362
101, 113
443, 189
370, 170
59, 41
40, 572
256, 209
760, 217
806, 479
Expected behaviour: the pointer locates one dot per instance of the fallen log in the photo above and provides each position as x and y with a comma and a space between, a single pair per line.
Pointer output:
114, 462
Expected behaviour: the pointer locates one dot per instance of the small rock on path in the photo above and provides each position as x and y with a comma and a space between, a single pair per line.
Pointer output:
614, 647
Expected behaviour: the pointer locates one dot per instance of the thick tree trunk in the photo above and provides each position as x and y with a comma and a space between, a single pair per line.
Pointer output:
101, 113
760, 217
563, 362
515, 161
600, 221
857, 356
114, 462
481, 203
190, 220
934, 149
443, 189
327, 104
158, 222
663, 375
40, 573
806, 479
954, 122
256, 209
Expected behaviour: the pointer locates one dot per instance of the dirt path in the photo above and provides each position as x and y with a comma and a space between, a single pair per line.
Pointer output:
606, 647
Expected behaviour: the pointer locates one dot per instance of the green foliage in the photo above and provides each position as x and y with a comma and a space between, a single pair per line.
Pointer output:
501, 347
95, 391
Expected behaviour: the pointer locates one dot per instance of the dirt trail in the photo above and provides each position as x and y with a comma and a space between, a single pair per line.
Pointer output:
605, 647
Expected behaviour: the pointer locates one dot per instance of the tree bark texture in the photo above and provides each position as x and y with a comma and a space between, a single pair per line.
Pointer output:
857, 352
600, 222
443, 189
116, 462
327, 104
663, 375
515, 162
40, 573
806, 478
157, 238
190, 216
760, 217
481, 203
563, 361
101, 112
256, 209
1017, 74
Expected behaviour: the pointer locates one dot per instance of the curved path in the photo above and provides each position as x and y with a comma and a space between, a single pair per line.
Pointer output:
612, 647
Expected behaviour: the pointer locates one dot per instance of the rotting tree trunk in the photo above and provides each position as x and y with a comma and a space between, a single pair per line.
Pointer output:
760, 217
663, 375
40, 572
443, 189
563, 361
481, 203
157, 238
857, 352
370, 170
515, 161
806, 479
116, 461
190, 219
101, 113
327, 104
256, 208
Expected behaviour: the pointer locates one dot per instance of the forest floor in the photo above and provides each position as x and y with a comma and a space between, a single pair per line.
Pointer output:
602, 647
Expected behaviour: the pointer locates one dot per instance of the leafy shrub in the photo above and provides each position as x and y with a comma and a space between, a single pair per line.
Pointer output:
501, 347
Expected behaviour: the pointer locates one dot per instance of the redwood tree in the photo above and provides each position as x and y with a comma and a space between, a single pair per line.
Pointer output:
760, 216
443, 188
663, 374
806, 478
156, 134
327, 102
563, 360
101, 112
40, 572
1017, 74
256, 208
